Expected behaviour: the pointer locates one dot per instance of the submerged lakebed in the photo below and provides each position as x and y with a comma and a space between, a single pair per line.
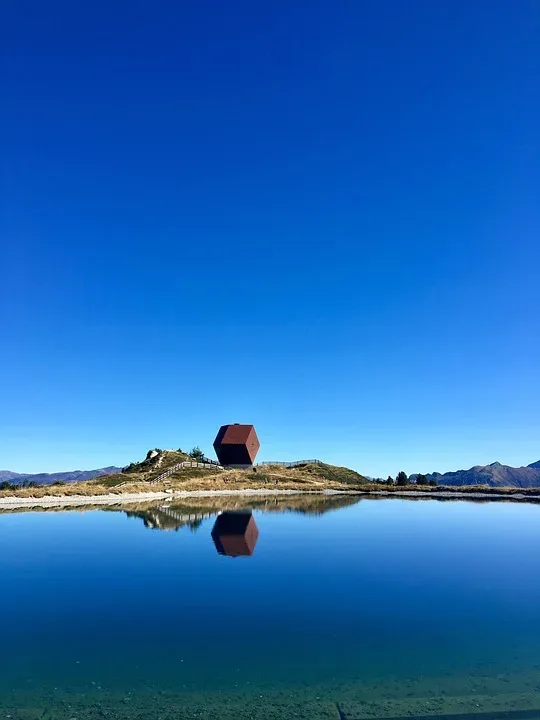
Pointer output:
315, 607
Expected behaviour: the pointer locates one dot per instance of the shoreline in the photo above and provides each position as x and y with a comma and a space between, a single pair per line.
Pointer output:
452, 494
120, 498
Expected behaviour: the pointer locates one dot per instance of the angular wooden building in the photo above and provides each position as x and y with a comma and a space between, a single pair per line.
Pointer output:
236, 445
235, 534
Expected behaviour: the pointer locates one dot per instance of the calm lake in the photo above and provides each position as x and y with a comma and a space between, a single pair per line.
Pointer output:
313, 607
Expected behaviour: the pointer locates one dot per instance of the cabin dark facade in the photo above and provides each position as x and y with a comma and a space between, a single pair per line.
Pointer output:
236, 445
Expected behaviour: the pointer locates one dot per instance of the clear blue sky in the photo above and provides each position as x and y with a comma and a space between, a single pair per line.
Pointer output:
319, 217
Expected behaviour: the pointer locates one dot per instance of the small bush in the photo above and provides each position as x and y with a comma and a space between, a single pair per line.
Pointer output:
197, 454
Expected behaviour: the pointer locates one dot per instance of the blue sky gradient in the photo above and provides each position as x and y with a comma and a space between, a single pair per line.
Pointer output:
322, 218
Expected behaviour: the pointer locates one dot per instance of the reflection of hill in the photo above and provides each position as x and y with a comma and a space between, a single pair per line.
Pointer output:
169, 518
305, 504
312, 504
191, 513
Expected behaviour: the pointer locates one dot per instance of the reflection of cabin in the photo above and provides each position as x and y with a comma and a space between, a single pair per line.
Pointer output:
235, 533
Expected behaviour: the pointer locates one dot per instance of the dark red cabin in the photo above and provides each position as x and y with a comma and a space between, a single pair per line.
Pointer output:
237, 445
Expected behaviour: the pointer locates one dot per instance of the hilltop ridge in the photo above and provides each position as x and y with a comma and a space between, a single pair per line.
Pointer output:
159, 461
176, 471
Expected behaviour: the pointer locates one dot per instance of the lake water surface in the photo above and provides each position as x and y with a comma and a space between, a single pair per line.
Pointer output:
322, 608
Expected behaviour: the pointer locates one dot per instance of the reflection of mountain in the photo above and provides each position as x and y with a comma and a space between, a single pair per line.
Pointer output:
310, 504
235, 534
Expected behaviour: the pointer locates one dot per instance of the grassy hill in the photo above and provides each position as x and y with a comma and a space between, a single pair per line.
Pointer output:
154, 465
142, 477
156, 462
159, 461
333, 473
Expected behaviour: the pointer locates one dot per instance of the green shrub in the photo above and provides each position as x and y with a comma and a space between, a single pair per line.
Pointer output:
402, 479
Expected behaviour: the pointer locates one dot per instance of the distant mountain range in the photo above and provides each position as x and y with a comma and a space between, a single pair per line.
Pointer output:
49, 478
494, 475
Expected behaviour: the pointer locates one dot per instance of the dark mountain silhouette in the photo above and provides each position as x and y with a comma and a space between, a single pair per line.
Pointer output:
494, 475
49, 478
8, 475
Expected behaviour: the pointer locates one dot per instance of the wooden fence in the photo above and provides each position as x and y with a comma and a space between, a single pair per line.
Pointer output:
178, 466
